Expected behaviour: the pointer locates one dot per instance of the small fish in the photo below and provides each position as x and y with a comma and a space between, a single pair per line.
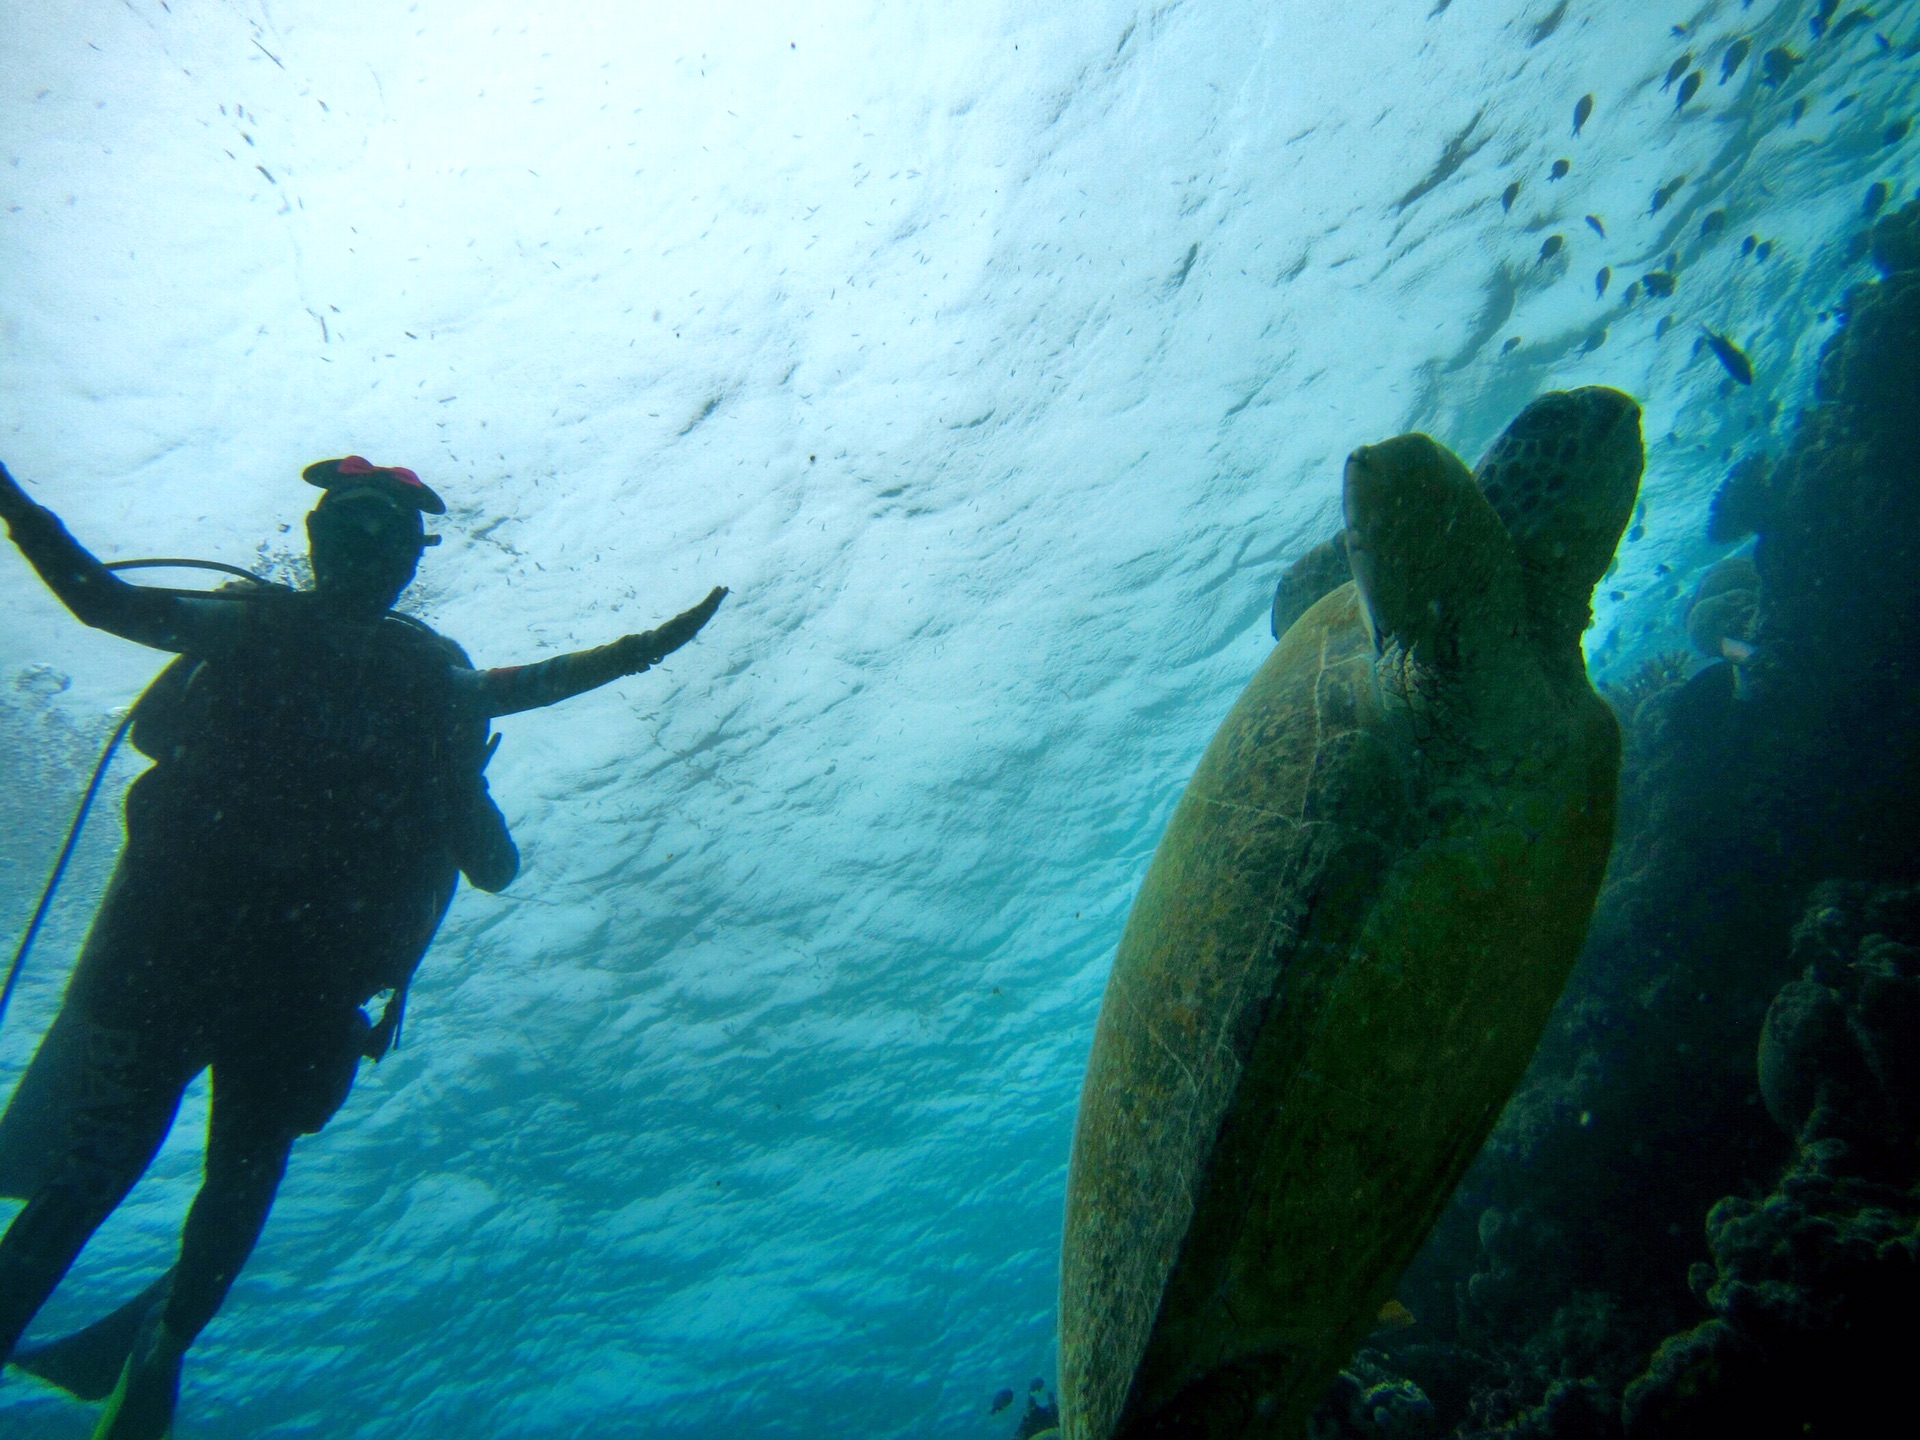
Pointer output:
1659, 283
1746, 245
1633, 293
1034, 1387
1821, 17
1712, 223
1595, 339
1731, 356
1877, 194
1582, 110
1896, 132
1393, 1316
1001, 1399
1593, 224
1638, 532
1560, 169
1735, 56
1660, 330
1601, 281
1513, 343
1665, 193
1852, 20
1763, 250
1676, 70
1550, 247
1509, 195
1689, 88
1777, 64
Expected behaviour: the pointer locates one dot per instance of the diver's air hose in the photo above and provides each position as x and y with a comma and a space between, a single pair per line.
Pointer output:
99, 774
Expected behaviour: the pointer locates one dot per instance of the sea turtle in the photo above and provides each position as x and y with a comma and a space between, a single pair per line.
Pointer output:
1349, 939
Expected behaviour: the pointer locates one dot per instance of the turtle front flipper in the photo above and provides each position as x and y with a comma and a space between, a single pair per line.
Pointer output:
1433, 564
1315, 575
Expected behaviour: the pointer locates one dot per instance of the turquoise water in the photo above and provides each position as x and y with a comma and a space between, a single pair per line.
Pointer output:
999, 364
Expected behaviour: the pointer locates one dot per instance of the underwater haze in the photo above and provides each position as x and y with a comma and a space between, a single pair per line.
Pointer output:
999, 358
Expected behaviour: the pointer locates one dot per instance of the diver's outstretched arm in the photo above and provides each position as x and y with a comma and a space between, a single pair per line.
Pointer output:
97, 596
515, 688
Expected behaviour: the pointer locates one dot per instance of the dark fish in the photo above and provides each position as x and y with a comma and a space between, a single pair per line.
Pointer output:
1665, 193
1876, 197
1731, 356
1777, 64
1560, 169
1660, 330
1896, 132
1601, 280
1550, 247
1633, 293
1677, 69
1798, 112
1593, 223
1513, 343
1595, 339
1001, 1399
1509, 195
1732, 60
1746, 245
1582, 109
1689, 88
1658, 282
1763, 250
1852, 20
1712, 223
1638, 532
1821, 16
1036, 1386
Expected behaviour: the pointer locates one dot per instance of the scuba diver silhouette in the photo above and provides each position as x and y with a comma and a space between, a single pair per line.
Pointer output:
318, 787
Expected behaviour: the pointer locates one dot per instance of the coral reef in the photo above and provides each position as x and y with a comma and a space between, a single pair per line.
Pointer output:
1811, 1287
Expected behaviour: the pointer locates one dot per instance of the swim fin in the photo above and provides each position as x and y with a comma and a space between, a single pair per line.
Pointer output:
88, 1364
142, 1404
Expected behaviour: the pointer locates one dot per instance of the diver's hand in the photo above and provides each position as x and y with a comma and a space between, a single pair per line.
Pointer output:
15, 503
653, 646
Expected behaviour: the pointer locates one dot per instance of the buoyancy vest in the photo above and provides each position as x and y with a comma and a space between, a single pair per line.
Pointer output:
309, 745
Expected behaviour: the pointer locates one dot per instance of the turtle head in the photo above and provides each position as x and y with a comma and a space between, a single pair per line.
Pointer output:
1563, 479
1433, 565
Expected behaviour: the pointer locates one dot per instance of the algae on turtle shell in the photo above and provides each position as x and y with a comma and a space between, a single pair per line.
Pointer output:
1342, 956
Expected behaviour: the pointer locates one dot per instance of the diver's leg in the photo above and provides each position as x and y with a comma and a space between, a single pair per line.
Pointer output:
130, 1097
248, 1141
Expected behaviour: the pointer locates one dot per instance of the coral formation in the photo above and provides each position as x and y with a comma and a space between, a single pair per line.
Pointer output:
1811, 1287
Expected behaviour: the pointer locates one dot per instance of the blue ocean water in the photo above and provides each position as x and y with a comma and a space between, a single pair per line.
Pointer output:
999, 361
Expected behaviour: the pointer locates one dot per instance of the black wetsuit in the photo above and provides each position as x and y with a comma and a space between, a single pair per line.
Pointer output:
317, 787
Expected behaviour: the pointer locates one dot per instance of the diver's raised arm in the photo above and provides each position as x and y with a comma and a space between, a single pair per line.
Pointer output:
514, 688
97, 596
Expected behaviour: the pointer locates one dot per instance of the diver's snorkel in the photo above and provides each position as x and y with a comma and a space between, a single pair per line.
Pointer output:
106, 757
